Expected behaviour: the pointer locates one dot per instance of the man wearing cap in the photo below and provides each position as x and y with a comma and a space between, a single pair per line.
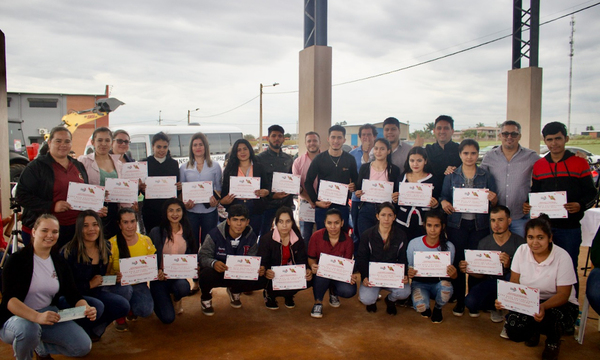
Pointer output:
443, 154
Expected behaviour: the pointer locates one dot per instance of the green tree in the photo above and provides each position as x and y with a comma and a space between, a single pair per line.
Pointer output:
470, 134
483, 135
480, 124
430, 127
249, 137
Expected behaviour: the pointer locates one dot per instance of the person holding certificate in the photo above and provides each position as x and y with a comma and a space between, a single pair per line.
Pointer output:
120, 146
425, 288
543, 265
34, 279
88, 255
382, 243
466, 229
129, 243
380, 169
332, 241
242, 162
173, 236
416, 170
282, 246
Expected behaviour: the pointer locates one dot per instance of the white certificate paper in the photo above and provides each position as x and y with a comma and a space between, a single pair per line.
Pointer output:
137, 170
243, 187
549, 203
138, 269
199, 191
287, 183
483, 262
109, 280
335, 268
121, 190
519, 298
467, 200
377, 191
432, 263
180, 266
73, 313
335, 192
415, 194
85, 197
242, 267
386, 275
161, 187
307, 213
289, 277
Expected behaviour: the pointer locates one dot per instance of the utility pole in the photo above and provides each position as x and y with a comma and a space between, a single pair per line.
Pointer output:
571, 53
159, 117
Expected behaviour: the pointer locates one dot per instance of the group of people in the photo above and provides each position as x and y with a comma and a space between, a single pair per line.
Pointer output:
541, 253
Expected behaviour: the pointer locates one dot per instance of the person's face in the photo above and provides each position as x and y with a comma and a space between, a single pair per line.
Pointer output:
102, 143
386, 217
499, 222
380, 151
160, 149
237, 224
243, 153
333, 224
128, 224
198, 148
417, 162
538, 241
336, 140
275, 140
392, 133
510, 137
91, 229
469, 155
367, 138
174, 213
120, 144
433, 227
60, 145
443, 132
284, 224
45, 235
556, 143
312, 143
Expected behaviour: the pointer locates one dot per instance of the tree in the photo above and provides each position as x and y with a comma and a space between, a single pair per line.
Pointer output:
483, 135
480, 124
287, 135
249, 137
341, 123
589, 128
429, 127
470, 134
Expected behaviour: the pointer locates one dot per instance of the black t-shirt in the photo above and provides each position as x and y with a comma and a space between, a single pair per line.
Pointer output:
340, 169
438, 160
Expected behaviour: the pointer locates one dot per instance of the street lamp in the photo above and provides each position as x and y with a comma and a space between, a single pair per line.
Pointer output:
260, 129
189, 114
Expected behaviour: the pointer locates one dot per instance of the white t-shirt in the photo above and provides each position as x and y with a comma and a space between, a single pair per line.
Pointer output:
556, 270
44, 284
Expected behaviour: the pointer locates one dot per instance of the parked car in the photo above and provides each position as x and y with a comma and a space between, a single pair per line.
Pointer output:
484, 150
592, 158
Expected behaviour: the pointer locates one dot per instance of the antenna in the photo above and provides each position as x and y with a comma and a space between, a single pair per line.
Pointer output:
571, 53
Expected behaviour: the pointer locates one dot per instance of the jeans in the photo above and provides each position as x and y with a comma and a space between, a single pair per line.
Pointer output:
593, 289
570, 240
366, 219
482, 296
422, 292
138, 296
368, 295
109, 307
210, 278
65, 338
267, 221
517, 226
341, 289
354, 218
161, 294
320, 215
202, 223
307, 230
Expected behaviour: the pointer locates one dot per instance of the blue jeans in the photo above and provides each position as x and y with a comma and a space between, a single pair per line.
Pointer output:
517, 226
482, 296
593, 289
368, 295
422, 293
65, 338
109, 307
138, 296
267, 221
367, 218
161, 293
570, 240
354, 218
320, 215
202, 223
307, 230
341, 289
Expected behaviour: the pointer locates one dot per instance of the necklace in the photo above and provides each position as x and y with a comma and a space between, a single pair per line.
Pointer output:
333, 161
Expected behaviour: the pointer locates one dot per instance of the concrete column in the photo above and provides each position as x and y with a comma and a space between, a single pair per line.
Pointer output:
4, 156
524, 104
314, 106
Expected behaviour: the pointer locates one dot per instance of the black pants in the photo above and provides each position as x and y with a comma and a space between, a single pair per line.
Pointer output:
210, 279
520, 327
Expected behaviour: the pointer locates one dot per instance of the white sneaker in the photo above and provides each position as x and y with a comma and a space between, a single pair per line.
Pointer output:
334, 301
503, 334
496, 316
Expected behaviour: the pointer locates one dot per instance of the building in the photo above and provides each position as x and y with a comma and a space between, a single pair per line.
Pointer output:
479, 133
353, 140
40, 112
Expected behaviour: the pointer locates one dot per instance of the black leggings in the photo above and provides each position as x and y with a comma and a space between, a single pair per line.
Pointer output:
520, 327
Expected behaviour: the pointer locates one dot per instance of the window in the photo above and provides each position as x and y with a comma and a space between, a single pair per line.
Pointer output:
138, 151
174, 146
42, 103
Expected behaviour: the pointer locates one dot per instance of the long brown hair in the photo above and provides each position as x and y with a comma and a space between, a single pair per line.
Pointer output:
77, 244
204, 140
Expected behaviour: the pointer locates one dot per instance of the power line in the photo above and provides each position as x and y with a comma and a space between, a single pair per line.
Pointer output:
225, 112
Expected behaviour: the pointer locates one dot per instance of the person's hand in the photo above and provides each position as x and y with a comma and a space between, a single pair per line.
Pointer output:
189, 204
279, 195
405, 280
135, 207
220, 266
226, 200
359, 193
433, 203
419, 141
498, 305
270, 274
312, 204
447, 207
351, 187
412, 272
581, 154
527, 208
213, 202
451, 271
314, 268
261, 193
366, 282
90, 312
449, 170
309, 275
355, 278
492, 197
106, 196
178, 185
102, 212
62, 206
47, 318
505, 260
395, 197
161, 275
540, 315
323, 204
142, 186
573, 207
462, 265
96, 281
119, 277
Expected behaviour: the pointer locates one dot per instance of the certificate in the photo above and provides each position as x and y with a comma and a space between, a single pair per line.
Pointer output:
377, 191
483, 262
415, 194
73, 313
242, 267
386, 275
432, 263
138, 269
199, 192
289, 277
307, 213
467, 200
549, 203
161, 187
137, 170
85, 197
108, 280
519, 298
335, 268
243, 187
180, 266
121, 190
287, 183
335, 192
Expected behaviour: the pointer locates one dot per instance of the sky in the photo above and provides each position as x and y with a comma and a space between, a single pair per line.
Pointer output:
165, 58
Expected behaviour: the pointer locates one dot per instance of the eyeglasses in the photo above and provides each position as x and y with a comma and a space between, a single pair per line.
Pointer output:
511, 134
121, 141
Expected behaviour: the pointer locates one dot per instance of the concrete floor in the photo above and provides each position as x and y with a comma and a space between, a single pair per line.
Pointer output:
254, 332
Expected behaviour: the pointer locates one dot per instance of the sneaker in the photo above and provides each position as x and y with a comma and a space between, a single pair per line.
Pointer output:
436, 316
234, 299
474, 313
533, 341
270, 302
131, 317
121, 325
551, 351
372, 308
334, 301
426, 313
458, 310
317, 311
391, 306
177, 305
496, 316
289, 302
207, 308
503, 334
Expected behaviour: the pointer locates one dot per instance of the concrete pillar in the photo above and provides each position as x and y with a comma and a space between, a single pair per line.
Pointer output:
524, 104
4, 156
314, 106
